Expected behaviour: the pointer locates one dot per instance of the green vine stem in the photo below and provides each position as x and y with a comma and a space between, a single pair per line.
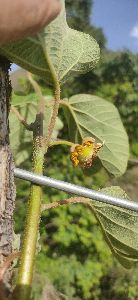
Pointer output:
25, 273
54, 115
30, 235
28, 251
56, 85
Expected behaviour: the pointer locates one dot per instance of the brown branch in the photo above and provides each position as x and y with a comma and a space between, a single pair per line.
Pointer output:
71, 200
21, 119
6, 264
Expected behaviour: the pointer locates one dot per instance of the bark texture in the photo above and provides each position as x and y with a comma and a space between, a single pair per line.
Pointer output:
7, 187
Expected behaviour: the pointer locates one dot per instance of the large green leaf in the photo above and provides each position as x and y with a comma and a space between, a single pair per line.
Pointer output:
20, 138
89, 115
71, 52
120, 227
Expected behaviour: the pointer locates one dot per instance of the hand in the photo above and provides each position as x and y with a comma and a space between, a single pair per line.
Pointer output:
21, 18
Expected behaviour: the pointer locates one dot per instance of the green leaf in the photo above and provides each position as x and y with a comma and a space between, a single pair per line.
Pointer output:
120, 227
21, 100
71, 52
20, 138
89, 115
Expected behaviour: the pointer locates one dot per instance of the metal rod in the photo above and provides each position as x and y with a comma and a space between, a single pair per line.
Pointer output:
75, 189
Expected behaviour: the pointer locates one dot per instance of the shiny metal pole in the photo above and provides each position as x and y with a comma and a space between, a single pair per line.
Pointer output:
75, 189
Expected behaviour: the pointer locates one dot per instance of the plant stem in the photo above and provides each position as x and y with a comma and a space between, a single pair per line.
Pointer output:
60, 142
72, 200
56, 85
54, 115
20, 118
25, 273
31, 230
28, 249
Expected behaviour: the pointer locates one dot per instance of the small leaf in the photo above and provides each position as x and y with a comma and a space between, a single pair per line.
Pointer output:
71, 52
89, 115
20, 138
120, 227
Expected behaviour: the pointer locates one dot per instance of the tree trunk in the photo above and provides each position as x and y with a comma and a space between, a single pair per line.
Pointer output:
7, 187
